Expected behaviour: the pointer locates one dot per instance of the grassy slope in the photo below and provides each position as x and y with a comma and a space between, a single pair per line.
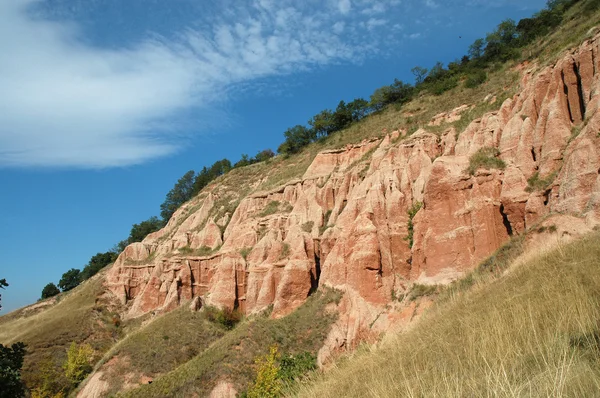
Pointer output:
76, 317
534, 332
161, 346
232, 357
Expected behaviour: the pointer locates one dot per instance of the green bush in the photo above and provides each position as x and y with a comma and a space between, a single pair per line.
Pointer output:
308, 226
225, 317
268, 382
475, 79
271, 208
412, 212
70, 280
78, 363
293, 367
536, 183
11, 362
50, 290
485, 158
440, 86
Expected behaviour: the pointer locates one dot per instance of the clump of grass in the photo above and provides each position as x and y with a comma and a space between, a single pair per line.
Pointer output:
270, 208
308, 226
535, 183
485, 158
186, 250
419, 290
533, 332
262, 231
285, 251
412, 212
245, 251
551, 228
224, 317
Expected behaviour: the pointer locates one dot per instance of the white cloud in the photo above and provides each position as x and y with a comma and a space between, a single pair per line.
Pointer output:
344, 6
68, 104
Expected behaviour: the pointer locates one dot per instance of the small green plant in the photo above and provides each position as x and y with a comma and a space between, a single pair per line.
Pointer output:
285, 251
287, 207
226, 317
78, 363
245, 251
475, 79
262, 231
535, 183
268, 382
308, 226
419, 290
412, 212
270, 208
186, 250
485, 158
294, 367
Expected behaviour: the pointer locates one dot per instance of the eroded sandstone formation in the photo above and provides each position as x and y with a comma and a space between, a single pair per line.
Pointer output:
344, 224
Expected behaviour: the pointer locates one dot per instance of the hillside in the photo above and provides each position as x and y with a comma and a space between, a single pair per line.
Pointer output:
428, 218
533, 332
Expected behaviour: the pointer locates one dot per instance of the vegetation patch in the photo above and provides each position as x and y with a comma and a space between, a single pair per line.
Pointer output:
285, 251
535, 183
308, 226
271, 208
233, 356
485, 158
412, 212
245, 251
167, 342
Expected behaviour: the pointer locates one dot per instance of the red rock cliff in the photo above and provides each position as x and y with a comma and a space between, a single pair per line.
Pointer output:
344, 223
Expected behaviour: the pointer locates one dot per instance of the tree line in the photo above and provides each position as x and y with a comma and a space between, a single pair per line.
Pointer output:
497, 47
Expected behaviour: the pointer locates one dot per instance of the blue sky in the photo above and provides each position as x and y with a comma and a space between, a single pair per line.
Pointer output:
104, 104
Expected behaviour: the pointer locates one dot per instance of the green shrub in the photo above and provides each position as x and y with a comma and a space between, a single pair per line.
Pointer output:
50, 290
271, 208
308, 226
293, 367
78, 363
225, 317
419, 290
412, 212
485, 158
285, 252
440, 86
268, 382
245, 251
535, 183
475, 79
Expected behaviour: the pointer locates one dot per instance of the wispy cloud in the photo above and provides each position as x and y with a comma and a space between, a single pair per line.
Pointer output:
67, 103
64, 103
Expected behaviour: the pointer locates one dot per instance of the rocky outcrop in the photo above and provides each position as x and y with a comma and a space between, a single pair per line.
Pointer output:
345, 223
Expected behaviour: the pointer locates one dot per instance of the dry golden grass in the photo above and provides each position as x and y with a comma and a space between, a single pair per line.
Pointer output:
77, 316
535, 332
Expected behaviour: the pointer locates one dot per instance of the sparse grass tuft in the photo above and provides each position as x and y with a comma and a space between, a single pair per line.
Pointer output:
308, 226
535, 183
285, 252
485, 158
271, 208
245, 251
